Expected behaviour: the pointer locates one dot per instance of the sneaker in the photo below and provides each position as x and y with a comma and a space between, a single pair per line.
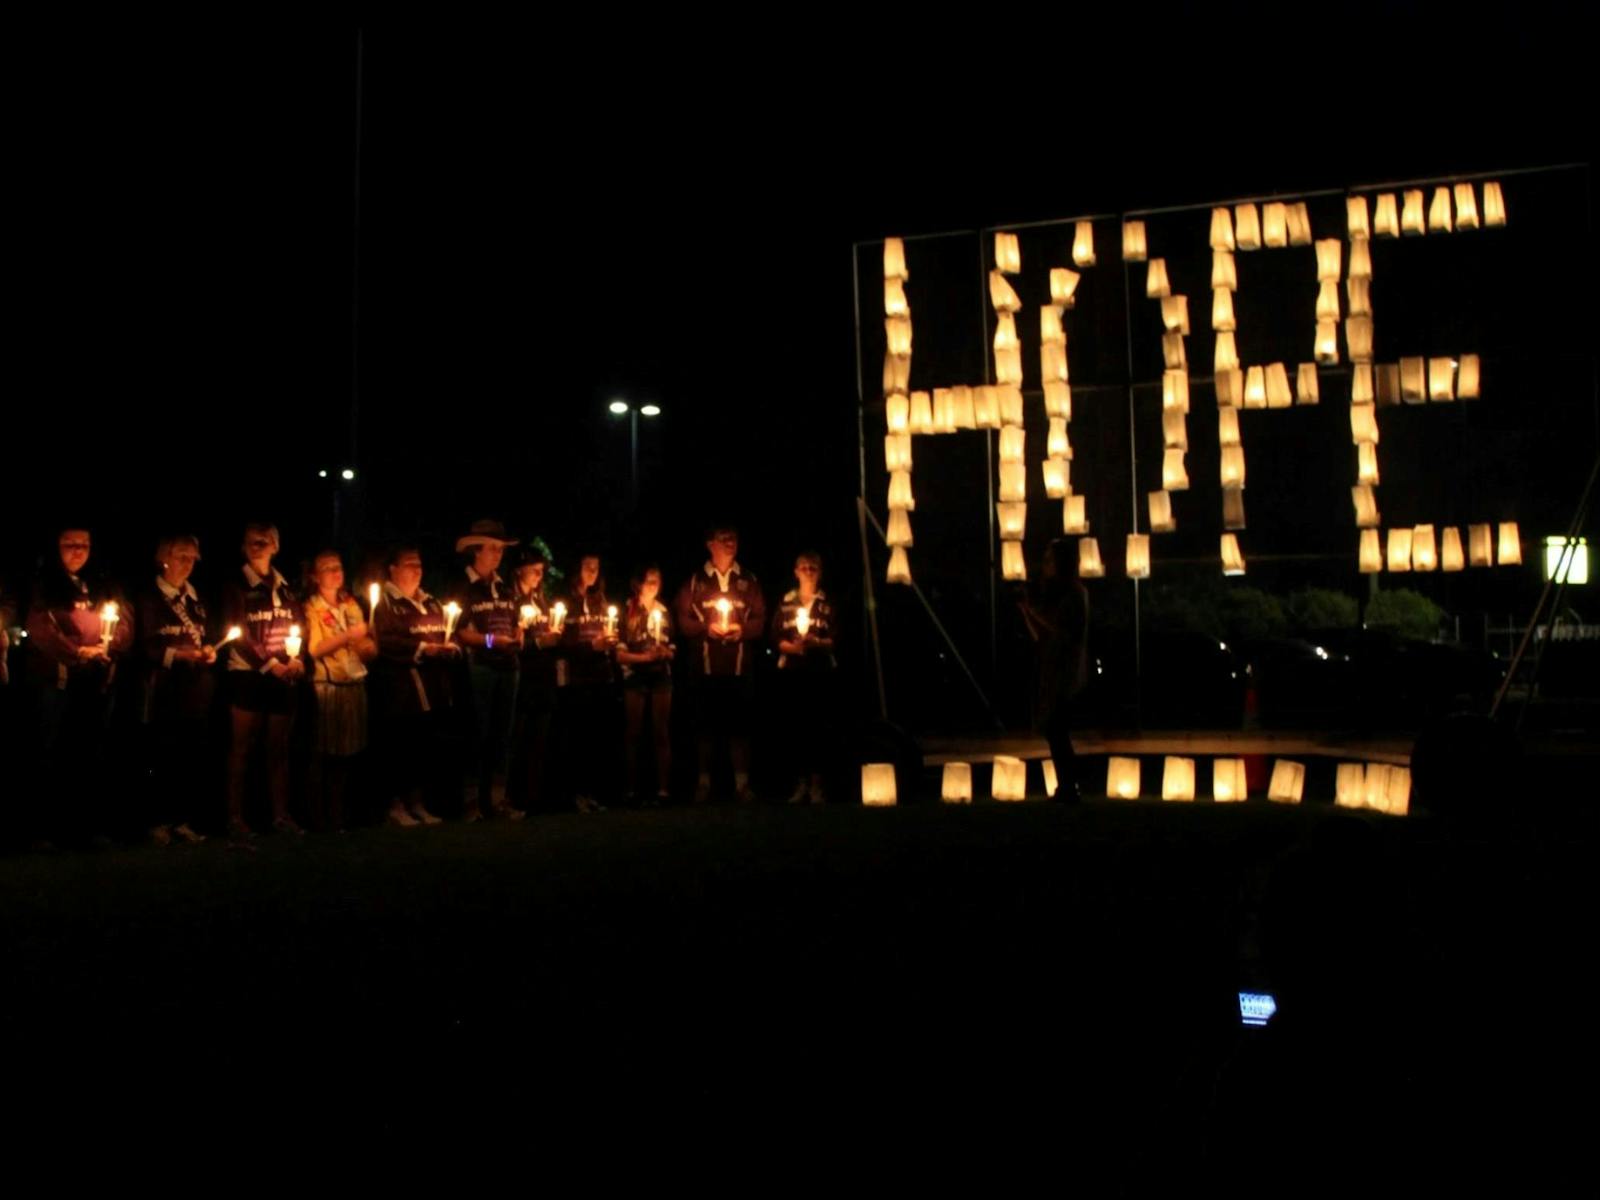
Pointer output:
472, 814
818, 796
744, 795
798, 796
588, 804
420, 814
702, 790
400, 817
238, 831
287, 825
185, 834
507, 812
161, 836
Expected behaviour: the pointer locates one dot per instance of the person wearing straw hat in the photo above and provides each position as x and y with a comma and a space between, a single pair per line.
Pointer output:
492, 635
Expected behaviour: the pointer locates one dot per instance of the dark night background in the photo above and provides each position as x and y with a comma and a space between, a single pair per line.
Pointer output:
553, 218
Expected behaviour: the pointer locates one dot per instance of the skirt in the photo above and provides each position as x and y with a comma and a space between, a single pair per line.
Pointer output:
341, 718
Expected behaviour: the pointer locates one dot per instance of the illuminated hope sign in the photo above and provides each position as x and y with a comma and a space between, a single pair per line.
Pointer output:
1238, 383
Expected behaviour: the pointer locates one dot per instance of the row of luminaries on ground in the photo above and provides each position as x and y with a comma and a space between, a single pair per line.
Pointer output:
1379, 786
491, 665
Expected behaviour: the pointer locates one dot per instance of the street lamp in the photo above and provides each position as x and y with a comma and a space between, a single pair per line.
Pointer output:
633, 413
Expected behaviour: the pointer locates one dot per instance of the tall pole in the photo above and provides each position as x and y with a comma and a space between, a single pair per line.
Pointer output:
633, 456
355, 266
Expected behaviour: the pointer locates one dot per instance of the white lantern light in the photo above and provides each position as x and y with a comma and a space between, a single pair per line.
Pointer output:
1246, 227
1013, 482
896, 373
1057, 478
956, 786
1299, 224
900, 495
1510, 544
1355, 213
1008, 368
1450, 556
1083, 244
1133, 241
1172, 351
1012, 566
1306, 390
1494, 205
921, 413
1053, 361
1424, 551
1173, 475
1010, 398
1278, 394
1399, 551
1566, 560
897, 413
1228, 781
1177, 778
894, 259
1480, 545
1049, 777
897, 452
1274, 225
877, 784
1174, 429
1074, 515
1439, 211
1089, 564
1221, 229
1411, 215
1175, 391
1361, 384
1350, 786
1050, 330
1441, 379
1226, 357
1138, 556
1175, 313
1370, 558
1330, 259
1057, 399
1388, 378
1467, 378
1325, 347
1222, 317
1466, 207
1063, 286
1232, 556
1155, 279
986, 407
1327, 302
1012, 517
1357, 338
1009, 780
1367, 464
1229, 387
962, 411
1161, 513
1007, 253
1002, 295
1414, 380
1359, 292
1233, 466
1122, 778
899, 566
894, 298
1005, 333
944, 416
1360, 260
1366, 503
898, 330
1288, 782
899, 528
1255, 388
1013, 442
1386, 217
1224, 273
1228, 427
1056, 444
1233, 508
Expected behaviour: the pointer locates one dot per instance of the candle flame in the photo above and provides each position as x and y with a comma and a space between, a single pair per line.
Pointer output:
234, 633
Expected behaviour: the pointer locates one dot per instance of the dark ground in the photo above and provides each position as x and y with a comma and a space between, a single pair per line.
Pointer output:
1055, 983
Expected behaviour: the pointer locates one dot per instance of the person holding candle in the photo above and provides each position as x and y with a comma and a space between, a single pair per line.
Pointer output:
587, 706
491, 633
719, 609
79, 628
644, 655
537, 679
340, 644
177, 655
264, 671
1058, 623
413, 677
802, 632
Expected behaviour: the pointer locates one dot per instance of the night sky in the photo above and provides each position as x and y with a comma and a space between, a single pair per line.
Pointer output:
551, 218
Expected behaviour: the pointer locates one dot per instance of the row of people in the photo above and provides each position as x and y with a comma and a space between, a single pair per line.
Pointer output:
496, 656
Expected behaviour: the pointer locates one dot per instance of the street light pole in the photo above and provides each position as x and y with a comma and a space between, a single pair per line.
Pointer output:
633, 458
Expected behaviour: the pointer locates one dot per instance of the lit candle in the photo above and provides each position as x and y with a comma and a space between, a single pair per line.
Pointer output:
108, 621
802, 620
723, 609
558, 617
452, 614
530, 614
373, 592
234, 634
654, 625
291, 644
611, 621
